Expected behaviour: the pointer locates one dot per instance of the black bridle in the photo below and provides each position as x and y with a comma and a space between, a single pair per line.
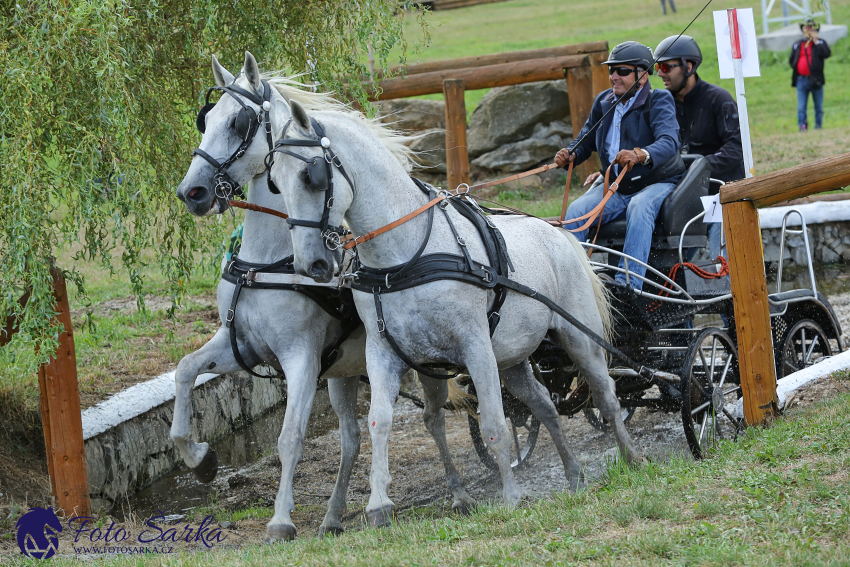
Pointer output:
318, 176
247, 124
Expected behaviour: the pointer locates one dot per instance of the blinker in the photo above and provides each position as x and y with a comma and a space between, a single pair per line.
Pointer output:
242, 123
201, 121
315, 175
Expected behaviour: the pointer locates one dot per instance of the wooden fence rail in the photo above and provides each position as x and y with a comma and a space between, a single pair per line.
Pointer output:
746, 268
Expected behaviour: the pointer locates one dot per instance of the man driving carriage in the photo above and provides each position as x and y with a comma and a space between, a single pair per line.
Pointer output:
641, 132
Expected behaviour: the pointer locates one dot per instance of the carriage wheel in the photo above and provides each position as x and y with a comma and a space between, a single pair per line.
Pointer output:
524, 428
594, 417
803, 345
711, 386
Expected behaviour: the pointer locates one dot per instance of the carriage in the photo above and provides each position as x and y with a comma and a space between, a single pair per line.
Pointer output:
681, 324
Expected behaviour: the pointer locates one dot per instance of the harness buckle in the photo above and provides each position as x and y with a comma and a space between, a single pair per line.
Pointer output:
381, 326
464, 192
461, 241
487, 277
330, 202
387, 281
336, 161
230, 314
250, 277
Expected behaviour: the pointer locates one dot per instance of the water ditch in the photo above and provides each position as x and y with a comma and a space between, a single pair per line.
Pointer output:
179, 493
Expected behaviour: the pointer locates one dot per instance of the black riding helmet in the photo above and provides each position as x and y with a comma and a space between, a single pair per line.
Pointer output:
631, 53
682, 47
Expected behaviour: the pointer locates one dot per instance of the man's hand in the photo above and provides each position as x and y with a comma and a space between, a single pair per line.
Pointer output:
564, 157
627, 159
591, 178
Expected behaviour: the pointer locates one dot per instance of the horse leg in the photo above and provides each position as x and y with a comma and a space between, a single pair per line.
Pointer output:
385, 371
520, 381
480, 361
436, 394
215, 356
343, 394
301, 377
590, 359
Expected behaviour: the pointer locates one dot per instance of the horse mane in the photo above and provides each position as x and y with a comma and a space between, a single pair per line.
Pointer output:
290, 88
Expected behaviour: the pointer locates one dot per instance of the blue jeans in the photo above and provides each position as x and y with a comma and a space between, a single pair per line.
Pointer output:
715, 229
640, 209
803, 90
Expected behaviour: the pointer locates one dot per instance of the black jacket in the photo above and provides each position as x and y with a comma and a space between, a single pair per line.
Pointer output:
820, 51
709, 126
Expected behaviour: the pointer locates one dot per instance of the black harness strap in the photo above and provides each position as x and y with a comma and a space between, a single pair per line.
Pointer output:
339, 305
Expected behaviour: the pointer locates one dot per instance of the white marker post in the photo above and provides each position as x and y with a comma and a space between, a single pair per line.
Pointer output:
738, 66
738, 57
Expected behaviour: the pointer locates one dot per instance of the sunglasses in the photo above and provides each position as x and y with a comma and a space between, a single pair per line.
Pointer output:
666, 67
621, 71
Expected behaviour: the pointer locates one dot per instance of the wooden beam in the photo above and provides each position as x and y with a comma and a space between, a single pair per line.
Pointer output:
457, 157
752, 313
547, 69
61, 418
502, 58
601, 81
821, 175
580, 91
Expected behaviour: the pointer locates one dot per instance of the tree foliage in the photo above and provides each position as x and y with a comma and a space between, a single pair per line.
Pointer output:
98, 107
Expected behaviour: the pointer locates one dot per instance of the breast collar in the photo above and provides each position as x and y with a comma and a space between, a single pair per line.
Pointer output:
226, 187
332, 235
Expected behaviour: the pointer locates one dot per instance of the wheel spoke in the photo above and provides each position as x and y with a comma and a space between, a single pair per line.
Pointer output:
811, 350
702, 428
713, 357
803, 346
725, 369
700, 407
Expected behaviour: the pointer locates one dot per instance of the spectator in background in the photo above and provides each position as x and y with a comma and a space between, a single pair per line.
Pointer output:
664, 6
807, 56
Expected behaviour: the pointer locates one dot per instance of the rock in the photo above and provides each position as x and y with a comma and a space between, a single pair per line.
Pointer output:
554, 128
413, 114
830, 256
521, 156
510, 114
228, 525
430, 150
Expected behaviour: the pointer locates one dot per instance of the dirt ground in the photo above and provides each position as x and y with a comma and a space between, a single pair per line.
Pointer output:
418, 488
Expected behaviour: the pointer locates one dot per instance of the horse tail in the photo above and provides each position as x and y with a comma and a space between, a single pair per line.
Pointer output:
600, 292
460, 400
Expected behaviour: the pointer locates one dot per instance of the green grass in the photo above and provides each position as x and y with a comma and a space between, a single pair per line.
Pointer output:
534, 24
779, 496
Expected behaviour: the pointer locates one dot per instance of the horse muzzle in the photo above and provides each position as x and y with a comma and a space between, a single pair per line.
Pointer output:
200, 200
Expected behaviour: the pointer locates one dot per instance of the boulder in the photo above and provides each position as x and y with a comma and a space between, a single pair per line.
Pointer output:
509, 114
521, 156
429, 149
412, 114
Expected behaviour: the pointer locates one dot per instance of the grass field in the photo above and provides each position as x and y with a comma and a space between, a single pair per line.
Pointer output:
779, 496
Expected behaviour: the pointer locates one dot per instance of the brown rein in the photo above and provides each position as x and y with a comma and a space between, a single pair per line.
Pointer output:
591, 217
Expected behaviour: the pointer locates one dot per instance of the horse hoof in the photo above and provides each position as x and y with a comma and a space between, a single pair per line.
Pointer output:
206, 471
331, 531
463, 508
279, 532
382, 517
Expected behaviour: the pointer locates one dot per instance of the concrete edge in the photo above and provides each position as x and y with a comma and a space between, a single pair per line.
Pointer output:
820, 212
132, 402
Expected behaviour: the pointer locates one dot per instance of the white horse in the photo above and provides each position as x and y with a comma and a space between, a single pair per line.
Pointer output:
283, 328
443, 321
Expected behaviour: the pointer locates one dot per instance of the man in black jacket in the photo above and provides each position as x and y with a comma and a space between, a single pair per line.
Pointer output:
807, 56
707, 115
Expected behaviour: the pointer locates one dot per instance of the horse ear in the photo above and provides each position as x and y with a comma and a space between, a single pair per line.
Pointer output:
222, 76
252, 71
279, 116
299, 116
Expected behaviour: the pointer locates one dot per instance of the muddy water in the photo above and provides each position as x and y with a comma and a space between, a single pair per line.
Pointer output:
249, 450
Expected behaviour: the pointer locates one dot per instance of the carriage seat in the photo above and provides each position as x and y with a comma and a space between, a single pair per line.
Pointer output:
679, 207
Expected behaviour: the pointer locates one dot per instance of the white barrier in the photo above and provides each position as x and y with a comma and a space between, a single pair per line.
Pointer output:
798, 379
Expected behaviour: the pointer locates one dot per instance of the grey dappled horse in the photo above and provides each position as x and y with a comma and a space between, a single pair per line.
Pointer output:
444, 321
279, 327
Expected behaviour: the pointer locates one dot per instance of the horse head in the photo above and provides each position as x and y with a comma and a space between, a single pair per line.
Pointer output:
315, 187
236, 139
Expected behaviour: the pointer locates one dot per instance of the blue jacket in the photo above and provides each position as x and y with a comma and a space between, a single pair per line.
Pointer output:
659, 135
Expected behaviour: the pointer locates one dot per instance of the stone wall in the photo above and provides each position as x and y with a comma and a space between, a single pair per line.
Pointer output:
829, 242
134, 450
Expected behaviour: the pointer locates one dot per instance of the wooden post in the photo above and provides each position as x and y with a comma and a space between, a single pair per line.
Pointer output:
752, 313
600, 72
580, 91
60, 414
457, 158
